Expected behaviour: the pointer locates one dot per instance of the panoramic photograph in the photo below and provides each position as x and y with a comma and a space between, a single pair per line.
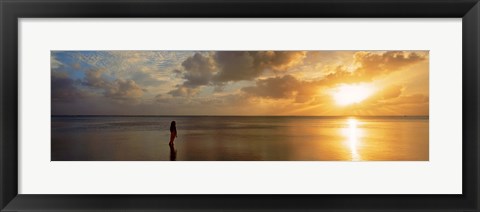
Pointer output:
357, 105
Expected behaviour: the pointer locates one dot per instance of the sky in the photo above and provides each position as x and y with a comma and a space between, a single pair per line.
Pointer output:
278, 83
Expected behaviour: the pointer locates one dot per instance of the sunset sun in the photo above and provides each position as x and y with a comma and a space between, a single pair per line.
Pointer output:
350, 94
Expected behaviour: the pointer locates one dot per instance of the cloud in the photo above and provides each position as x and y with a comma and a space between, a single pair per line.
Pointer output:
93, 78
218, 68
123, 89
235, 66
182, 91
119, 89
146, 79
199, 70
64, 89
390, 92
285, 87
275, 88
372, 64
242, 65
54, 63
369, 66
153, 65
339, 74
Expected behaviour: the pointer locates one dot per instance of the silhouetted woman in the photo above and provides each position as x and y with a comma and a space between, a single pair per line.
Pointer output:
173, 152
173, 132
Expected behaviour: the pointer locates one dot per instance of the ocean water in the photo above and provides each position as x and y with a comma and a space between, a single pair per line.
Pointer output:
239, 138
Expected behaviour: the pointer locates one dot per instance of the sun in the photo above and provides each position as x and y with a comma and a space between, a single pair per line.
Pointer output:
350, 94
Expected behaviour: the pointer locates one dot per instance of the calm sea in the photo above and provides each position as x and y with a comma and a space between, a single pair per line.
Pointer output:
239, 138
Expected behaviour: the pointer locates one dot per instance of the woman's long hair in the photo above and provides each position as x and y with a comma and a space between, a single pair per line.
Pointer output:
173, 127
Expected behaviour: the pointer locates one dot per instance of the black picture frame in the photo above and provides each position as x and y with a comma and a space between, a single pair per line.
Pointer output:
12, 10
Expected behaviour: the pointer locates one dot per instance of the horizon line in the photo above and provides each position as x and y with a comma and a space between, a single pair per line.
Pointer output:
270, 115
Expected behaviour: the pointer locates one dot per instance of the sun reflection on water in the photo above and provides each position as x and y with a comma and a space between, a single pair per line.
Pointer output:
353, 134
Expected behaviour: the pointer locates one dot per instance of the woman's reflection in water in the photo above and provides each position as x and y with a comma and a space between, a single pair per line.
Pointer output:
173, 152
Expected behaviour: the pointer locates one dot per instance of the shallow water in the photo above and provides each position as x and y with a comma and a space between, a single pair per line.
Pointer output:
251, 138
